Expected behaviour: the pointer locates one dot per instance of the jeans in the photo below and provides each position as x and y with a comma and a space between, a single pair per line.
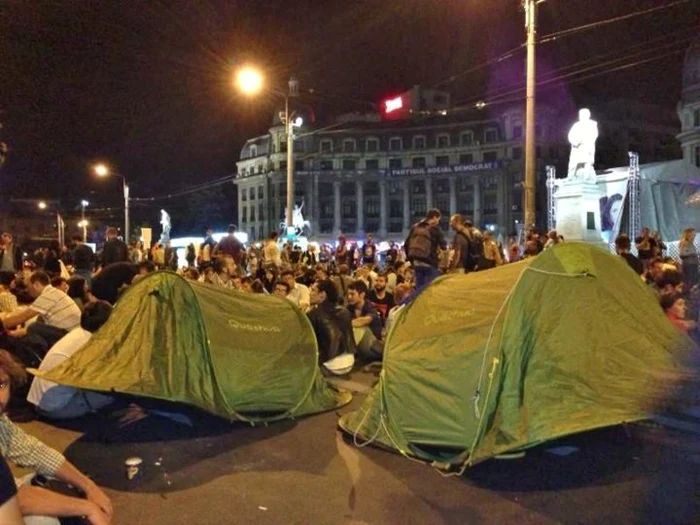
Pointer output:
425, 274
368, 346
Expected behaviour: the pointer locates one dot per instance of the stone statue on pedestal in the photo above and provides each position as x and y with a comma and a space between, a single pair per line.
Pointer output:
165, 223
582, 137
297, 220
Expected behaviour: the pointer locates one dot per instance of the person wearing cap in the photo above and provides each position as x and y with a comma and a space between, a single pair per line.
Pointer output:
27, 451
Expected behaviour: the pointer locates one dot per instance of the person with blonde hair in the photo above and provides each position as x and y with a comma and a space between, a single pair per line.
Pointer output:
689, 258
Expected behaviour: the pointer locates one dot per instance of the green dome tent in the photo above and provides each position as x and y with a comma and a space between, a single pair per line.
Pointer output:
235, 355
492, 362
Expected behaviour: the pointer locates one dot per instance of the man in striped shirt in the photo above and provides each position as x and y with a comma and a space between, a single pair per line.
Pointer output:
58, 312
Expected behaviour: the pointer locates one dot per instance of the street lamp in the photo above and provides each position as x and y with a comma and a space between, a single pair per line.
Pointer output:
102, 170
83, 222
249, 81
60, 225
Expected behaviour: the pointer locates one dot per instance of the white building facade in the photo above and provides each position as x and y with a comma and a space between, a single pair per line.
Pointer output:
374, 176
689, 106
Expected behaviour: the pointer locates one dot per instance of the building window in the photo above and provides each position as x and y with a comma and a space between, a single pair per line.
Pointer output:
443, 141
418, 162
326, 165
243, 213
244, 195
349, 146
260, 192
372, 145
467, 138
517, 132
371, 164
466, 158
298, 146
326, 146
283, 146
696, 118
395, 164
697, 156
491, 135
253, 151
252, 213
251, 193
261, 212
283, 165
395, 144
517, 153
299, 165
442, 160
349, 164
272, 190
419, 142
260, 168
490, 156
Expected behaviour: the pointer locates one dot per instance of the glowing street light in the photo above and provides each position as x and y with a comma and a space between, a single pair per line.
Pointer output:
249, 81
41, 205
102, 170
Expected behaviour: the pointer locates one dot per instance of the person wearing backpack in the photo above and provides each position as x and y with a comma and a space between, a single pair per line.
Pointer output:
421, 248
462, 246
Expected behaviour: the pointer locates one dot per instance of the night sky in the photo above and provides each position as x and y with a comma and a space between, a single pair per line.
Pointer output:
146, 85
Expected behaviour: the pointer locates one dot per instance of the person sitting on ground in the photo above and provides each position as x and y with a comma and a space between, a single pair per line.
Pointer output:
676, 309
365, 316
298, 293
112, 280
623, 246
382, 300
27, 451
281, 289
10, 513
342, 281
78, 291
670, 281
331, 322
64, 402
58, 312
8, 300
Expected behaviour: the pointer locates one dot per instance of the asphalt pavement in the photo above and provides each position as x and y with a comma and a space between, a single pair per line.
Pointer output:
306, 472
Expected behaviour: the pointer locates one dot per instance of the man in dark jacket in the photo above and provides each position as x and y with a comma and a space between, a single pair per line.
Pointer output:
114, 250
421, 248
10, 254
83, 259
332, 323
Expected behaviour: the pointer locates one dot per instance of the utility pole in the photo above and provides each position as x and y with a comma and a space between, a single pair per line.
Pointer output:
530, 160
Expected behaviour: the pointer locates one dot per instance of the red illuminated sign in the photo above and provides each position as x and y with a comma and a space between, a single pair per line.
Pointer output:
393, 104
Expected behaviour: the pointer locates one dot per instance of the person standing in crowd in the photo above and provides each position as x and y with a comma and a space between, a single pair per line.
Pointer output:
28, 451
136, 252
342, 254
10, 254
462, 259
622, 247
309, 257
391, 255
114, 250
369, 251
206, 248
191, 255
689, 258
271, 252
230, 249
83, 259
422, 244
52, 262
492, 253
646, 247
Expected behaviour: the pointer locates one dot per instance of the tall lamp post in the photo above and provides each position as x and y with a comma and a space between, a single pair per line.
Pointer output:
83, 222
250, 82
60, 225
102, 170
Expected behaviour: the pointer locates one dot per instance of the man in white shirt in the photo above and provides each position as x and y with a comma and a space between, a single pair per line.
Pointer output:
58, 312
298, 293
63, 402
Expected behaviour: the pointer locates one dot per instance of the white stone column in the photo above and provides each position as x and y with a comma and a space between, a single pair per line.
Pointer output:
240, 206
477, 202
453, 195
428, 193
406, 205
336, 208
360, 207
383, 222
500, 202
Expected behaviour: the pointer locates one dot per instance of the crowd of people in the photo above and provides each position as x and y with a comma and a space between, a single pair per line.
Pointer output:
52, 302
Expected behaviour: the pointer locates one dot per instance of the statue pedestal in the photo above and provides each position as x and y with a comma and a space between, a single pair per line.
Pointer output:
578, 211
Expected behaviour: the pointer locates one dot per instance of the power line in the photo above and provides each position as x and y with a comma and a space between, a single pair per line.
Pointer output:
566, 32
500, 58
202, 187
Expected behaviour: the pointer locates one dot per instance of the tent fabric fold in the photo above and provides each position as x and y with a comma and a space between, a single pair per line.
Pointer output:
502, 360
239, 356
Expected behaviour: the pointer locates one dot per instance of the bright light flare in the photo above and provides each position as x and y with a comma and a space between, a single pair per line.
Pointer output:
249, 81
101, 170
41, 205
